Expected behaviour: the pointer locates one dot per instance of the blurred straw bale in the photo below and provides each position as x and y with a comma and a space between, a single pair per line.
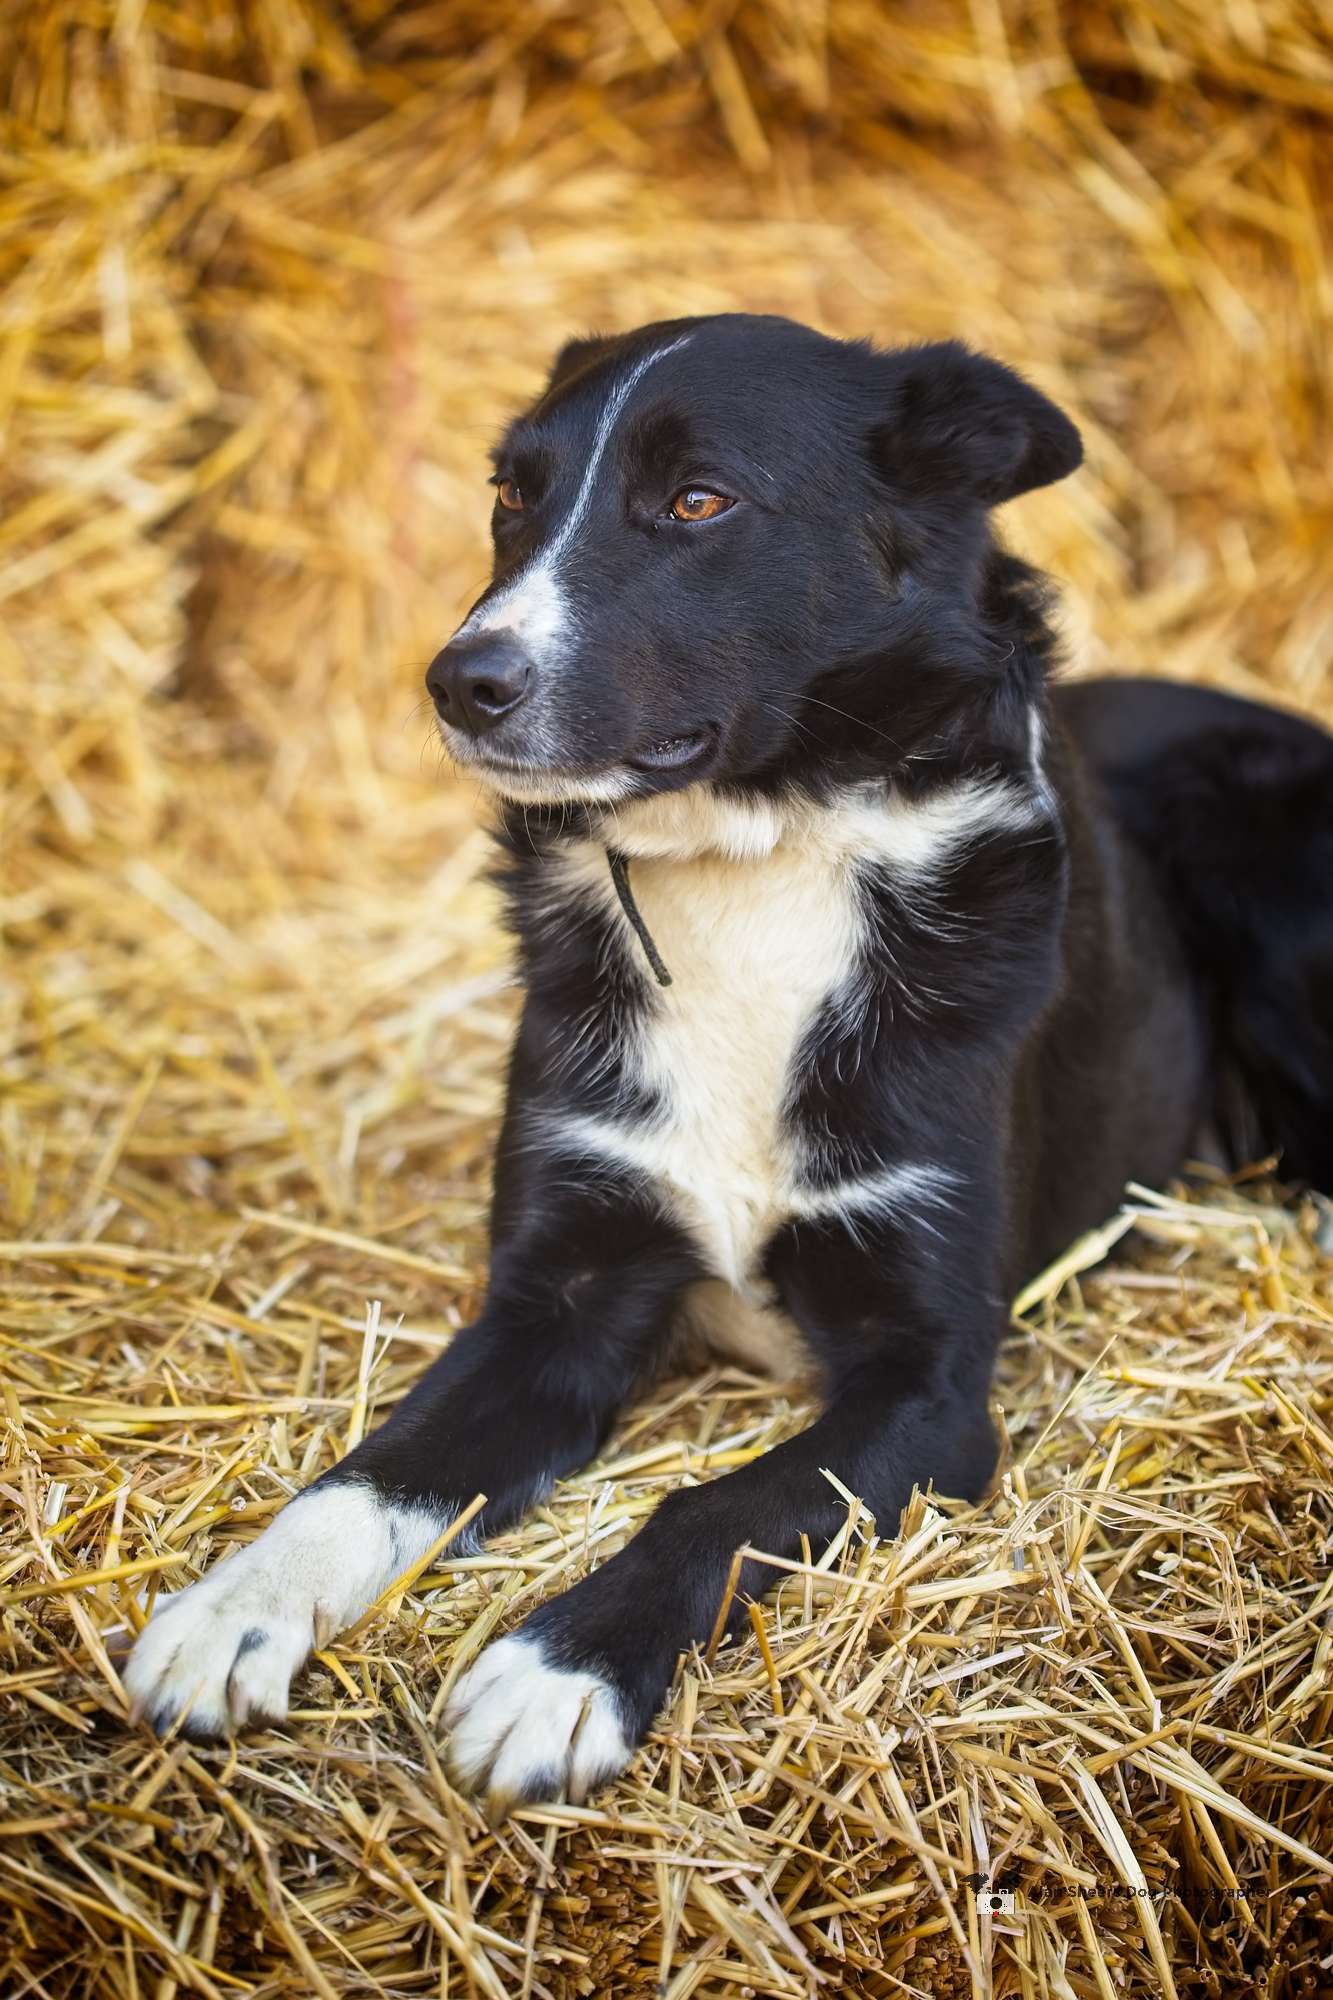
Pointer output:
271, 275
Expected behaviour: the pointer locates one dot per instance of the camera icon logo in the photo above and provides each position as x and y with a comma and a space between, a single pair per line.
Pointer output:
995, 1895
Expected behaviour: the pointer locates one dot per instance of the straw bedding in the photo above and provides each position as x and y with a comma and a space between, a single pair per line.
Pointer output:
271, 274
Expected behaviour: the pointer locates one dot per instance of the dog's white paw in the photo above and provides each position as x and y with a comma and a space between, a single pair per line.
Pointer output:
225, 1650
524, 1728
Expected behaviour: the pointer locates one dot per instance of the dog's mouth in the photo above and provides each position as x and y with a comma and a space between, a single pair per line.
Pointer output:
672, 753
529, 781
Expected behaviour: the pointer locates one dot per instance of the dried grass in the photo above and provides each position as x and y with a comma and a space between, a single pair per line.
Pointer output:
270, 275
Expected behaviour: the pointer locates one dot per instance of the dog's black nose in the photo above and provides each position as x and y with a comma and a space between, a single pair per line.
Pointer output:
475, 683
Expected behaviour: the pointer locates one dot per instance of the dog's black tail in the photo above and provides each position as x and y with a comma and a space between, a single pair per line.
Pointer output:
1233, 804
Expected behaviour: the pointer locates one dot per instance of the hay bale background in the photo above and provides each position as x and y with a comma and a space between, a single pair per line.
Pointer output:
270, 276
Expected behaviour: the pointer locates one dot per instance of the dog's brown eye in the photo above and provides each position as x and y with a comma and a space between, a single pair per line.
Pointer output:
510, 495
696, 503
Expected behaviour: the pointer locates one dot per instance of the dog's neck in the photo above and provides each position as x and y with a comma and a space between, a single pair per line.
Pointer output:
683, 826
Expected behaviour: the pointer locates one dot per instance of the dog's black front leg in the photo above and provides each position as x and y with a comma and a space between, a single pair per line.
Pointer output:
906, 1335
581, 1294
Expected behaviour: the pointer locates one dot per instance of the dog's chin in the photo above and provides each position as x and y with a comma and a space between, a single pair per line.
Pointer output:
668, 765
543, 785
554, 788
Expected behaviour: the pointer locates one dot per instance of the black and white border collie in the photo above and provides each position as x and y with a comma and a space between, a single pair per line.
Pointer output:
863, 968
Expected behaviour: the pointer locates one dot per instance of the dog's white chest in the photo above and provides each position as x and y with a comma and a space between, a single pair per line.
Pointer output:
759, 915
755, 947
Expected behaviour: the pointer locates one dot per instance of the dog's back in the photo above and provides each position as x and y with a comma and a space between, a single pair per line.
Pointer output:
1231, 805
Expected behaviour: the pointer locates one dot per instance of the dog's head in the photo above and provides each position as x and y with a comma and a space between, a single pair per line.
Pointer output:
713, 537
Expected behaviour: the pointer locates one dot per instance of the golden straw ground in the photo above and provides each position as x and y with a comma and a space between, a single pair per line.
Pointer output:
269, 278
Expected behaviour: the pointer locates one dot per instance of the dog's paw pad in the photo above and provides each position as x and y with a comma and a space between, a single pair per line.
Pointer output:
524, 1728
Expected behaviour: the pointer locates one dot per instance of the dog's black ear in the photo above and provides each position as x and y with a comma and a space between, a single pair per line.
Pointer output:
960, 423
576, 355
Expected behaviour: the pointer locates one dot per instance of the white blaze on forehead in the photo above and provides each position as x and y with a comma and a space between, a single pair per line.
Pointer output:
533, 607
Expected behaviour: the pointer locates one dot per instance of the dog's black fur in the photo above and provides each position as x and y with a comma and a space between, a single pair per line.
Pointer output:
1104, 984
1145, 955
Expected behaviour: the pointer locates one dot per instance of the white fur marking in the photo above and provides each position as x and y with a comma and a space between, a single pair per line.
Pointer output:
681, 826
919, 836
538, 786
753, 949
533, 606
878, 1194
523, 1728
869, 823
1036, 744
714, 1321
758, 911
227, 1647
